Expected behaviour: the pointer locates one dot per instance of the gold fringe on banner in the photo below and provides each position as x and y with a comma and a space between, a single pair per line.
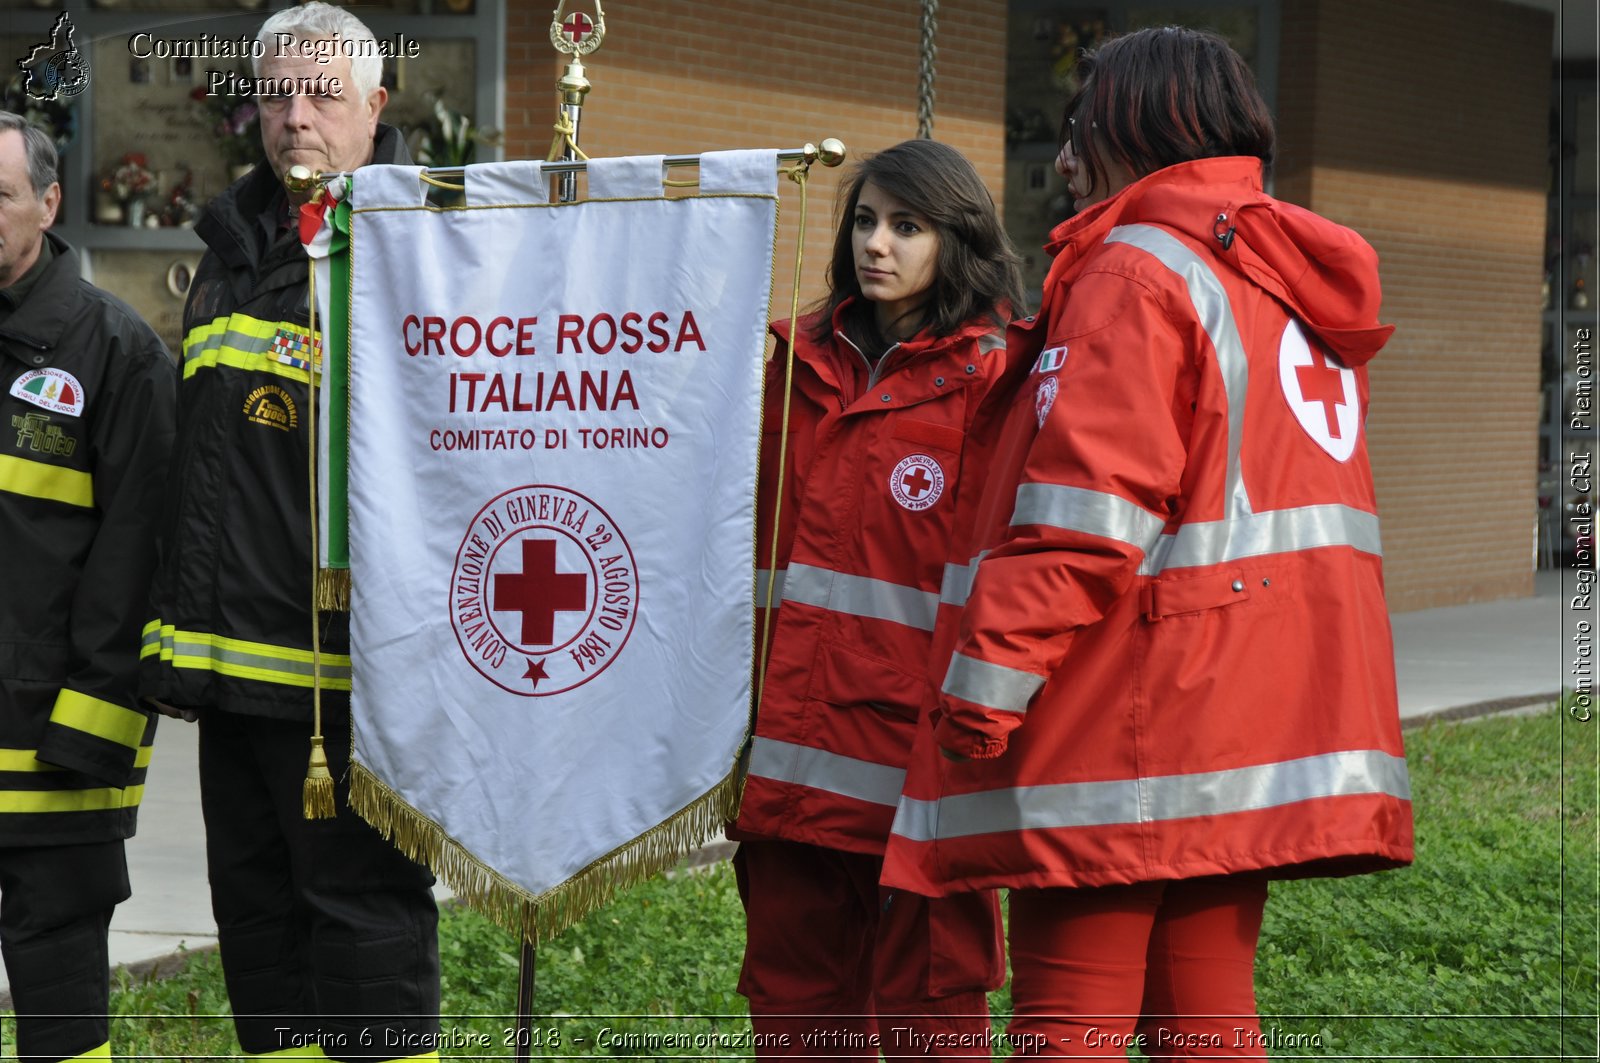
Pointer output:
333, 590
511, 906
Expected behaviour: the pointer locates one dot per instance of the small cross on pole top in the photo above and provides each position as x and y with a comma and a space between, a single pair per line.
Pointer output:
578, 26
577, 33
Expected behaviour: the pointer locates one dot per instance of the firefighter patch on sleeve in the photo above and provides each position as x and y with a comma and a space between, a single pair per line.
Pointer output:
917, 482
51, 389
1321, 392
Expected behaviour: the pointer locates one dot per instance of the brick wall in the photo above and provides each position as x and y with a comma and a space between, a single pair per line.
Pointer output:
1422, 125
677, 77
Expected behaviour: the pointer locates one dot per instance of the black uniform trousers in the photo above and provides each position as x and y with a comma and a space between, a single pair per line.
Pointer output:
328, 934
55, 909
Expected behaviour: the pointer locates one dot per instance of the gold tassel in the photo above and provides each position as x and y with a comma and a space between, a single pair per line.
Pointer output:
316, 796
333, 590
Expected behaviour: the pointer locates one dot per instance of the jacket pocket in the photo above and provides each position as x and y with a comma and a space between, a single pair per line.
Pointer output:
929, 433
850, 679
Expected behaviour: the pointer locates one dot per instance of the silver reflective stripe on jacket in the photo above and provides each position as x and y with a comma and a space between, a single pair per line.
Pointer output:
956, 587
241, 659
1215, 312
1168, 797
861, 780
1092, 512
764, 580
1276, 531
993, 686
861, 596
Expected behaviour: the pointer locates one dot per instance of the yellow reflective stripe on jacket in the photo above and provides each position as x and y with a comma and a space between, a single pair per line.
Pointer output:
98, 799
28, 760
98, 1052
24, 760
103, 719
240, 342
38, 479
240, 659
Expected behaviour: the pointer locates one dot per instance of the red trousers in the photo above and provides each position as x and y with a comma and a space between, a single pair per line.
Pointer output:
837, 967
1169, 966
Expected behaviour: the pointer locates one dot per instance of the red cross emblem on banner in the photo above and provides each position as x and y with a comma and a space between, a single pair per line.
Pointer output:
539, 592
577, 26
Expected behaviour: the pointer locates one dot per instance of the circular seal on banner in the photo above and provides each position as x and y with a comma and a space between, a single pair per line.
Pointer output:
544, 592
917, 482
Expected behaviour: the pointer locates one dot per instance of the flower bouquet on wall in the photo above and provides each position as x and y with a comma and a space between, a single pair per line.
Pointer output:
235, 126
127, 183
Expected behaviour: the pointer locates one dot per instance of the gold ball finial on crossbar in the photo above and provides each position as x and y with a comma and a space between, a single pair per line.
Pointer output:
299, 179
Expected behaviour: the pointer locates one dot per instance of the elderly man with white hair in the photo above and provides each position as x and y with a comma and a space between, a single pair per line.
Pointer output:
328, 934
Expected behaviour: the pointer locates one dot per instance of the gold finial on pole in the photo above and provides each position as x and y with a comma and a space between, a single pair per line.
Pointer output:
300, 179
574, 36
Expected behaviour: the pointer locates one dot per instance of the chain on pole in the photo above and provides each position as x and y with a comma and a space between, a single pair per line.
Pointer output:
930, 52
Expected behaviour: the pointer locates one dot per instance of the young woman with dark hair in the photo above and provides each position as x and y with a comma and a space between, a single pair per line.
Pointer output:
1173, 678
888, 429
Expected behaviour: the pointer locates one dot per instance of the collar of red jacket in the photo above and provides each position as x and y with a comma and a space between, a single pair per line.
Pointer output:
978, 325
1326, 274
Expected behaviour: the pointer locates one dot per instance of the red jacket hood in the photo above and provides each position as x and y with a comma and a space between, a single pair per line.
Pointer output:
1325, 274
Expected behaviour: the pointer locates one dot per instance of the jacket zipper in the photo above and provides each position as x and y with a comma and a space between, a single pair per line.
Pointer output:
872, 370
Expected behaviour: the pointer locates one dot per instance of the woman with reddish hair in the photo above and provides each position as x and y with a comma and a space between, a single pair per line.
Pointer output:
1173, 679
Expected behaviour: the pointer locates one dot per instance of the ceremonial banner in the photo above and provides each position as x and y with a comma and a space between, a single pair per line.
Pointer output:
553, 430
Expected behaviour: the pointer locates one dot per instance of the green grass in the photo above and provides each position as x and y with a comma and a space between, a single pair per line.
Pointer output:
1476, 952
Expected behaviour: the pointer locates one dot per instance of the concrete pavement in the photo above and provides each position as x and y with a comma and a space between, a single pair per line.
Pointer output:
1457, 659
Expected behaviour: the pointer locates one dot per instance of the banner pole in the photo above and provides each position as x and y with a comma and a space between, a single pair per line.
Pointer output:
574, 36
526, 969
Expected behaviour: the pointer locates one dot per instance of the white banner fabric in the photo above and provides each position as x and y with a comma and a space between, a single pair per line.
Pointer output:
554, 424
